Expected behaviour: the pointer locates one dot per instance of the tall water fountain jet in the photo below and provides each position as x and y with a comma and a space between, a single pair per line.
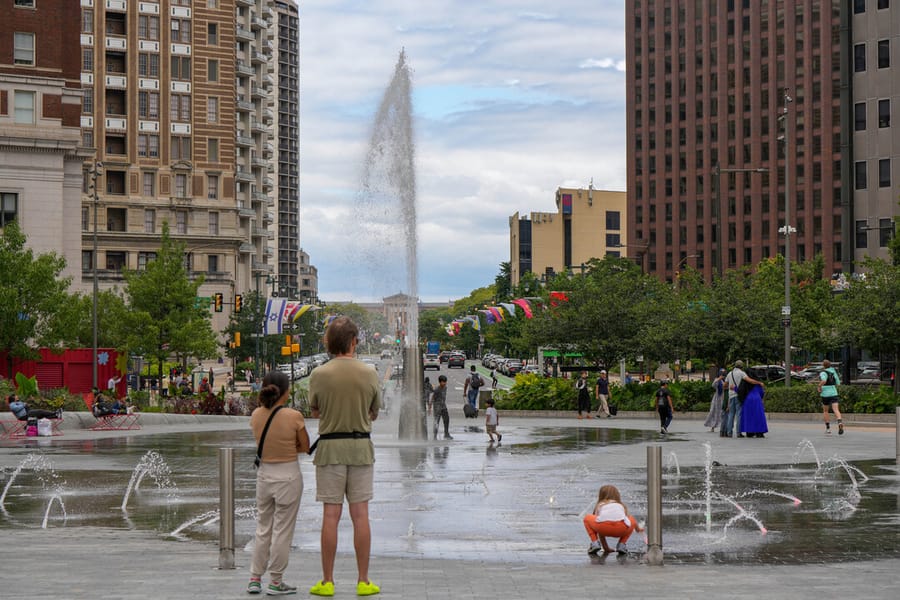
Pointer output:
389, 188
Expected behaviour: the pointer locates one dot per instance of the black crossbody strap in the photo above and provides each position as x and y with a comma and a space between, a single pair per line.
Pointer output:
262, 438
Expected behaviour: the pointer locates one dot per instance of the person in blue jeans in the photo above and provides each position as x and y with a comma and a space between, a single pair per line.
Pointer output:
471, 387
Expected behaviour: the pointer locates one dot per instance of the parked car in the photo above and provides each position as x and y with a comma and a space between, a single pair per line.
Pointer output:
432, 361
486, 360
444, 356
769, 373
495, 361
457, 359
533, 369
386, 354
513, 366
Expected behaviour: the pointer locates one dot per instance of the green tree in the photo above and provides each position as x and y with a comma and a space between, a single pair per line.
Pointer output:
503, 282
112, 320
31, 296
165, 317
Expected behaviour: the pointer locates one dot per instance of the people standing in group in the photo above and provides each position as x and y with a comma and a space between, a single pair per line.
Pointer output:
471, 386
584, 396
279, 483
732, 421
610, 518
345, 395
438, 406
601, 390
828, 382
714, 417
664, 406
491, 420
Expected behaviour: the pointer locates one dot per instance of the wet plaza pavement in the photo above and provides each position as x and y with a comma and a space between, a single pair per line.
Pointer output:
793, 498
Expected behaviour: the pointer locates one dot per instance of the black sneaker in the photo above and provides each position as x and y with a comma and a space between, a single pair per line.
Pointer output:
447, 436
499, 438
840, 429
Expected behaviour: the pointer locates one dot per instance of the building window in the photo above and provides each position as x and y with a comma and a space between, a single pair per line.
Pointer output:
859, 114
87, 138
148, 65
9, 203
212, 34
613, 240
859, 7
181, 186
859, 58
24, 3
180, 218
180, 107
85, 218
144, 258
87, 59
23, 53
148, 27
181, 68
862, 235
884, 54
149, 218
860, 175
87, 260
148, 184
148, 145
212, 149
884, 172
884, 113
24, 107
148, 105
115, 261
116, 219
180, 148
212, 70
885, 232
87, 101
213, 223
87, 20
212, 190
181, 31
884, 4
212, 263
212, 110
613, 220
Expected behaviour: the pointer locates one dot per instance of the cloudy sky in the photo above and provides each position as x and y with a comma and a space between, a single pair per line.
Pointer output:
511, 99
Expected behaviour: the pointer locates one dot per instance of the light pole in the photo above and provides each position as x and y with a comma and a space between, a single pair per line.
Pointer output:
259, 327
787, 230
97, 170
717, 180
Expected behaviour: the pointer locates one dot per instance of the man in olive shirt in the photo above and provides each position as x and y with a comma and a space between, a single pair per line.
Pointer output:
345, 395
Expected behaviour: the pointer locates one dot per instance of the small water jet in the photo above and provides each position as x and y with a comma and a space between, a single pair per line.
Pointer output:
803, 446
154, 465
62, 507
672, 464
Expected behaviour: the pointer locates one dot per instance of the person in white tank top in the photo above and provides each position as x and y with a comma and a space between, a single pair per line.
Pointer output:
610, 518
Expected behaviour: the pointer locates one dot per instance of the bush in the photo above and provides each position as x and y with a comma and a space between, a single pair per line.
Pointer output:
532, 392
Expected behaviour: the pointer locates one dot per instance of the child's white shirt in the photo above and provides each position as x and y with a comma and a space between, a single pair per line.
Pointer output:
491, 415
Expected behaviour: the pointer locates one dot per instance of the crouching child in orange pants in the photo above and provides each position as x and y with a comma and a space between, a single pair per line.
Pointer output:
610, 518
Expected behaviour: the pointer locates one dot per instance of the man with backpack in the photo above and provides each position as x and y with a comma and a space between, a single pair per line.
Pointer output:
828, 382
471, 387
731, 420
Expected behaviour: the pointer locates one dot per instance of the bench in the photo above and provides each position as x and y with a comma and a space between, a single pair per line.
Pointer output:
116, 422
14, 428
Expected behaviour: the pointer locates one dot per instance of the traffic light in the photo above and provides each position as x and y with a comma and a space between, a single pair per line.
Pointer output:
237, 337
219, 298
238, 302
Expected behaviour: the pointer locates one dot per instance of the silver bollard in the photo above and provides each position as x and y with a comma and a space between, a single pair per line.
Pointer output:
898, 433
226, 508
654, 506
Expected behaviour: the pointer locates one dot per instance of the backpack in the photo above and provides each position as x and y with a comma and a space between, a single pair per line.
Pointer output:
831, 377
476, 381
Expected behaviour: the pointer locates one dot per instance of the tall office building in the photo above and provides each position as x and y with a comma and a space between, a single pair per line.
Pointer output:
873, 67
707, 83
40, 105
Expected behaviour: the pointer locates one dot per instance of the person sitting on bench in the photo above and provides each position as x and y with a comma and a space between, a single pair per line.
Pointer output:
23, 413
102, 406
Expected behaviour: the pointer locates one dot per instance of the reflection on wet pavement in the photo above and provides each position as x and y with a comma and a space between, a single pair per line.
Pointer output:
521, 501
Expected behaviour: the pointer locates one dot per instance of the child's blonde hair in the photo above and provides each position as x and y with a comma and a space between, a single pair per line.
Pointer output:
609, 493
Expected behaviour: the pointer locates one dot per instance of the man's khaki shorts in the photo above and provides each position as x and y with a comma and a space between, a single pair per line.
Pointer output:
335, 482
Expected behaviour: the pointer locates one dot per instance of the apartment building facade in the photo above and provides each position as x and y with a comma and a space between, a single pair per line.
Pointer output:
588, 224
731, 106
40, 142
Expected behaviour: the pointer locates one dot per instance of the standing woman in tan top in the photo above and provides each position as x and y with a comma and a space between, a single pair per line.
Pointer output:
279, 484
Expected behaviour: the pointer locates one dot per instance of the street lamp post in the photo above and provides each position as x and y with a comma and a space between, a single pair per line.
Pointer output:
717, 180
787, 230
98, 168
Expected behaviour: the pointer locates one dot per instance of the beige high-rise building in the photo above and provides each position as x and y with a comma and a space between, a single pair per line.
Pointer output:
587, 224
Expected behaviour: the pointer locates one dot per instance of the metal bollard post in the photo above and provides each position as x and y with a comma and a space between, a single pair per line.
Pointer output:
898, 433
654, 506
226, 508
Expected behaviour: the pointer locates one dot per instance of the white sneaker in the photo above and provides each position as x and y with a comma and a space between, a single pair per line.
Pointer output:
595, 547
828, 431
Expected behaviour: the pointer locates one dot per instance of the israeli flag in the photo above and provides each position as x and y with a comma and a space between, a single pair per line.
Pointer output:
274, 316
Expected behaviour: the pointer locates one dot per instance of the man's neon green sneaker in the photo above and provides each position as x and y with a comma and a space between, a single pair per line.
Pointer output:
367, 588
322, 588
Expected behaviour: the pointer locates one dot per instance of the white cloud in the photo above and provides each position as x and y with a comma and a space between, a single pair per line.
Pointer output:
507, 109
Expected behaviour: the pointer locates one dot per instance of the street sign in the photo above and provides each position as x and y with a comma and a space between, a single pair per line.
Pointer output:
785, 311
786, 322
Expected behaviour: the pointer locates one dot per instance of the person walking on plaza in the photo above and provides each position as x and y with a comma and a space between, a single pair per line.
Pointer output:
610, 518
732, 422
345, 395
471, 387
281, 435
714, 417
828, 382
491, 420
493, 379
584, 396
664, 406
438, 406
601, 390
